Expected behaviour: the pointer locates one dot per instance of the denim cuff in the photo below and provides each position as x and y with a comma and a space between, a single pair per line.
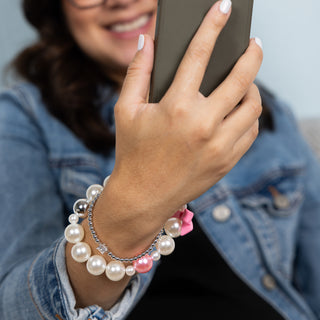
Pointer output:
53, 295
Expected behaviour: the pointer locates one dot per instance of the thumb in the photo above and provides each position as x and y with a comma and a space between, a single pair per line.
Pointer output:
136, 85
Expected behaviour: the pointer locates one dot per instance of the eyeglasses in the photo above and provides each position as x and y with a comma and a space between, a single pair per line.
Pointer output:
87, 4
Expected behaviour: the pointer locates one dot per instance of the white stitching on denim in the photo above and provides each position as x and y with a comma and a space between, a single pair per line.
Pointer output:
29, 287
57, 274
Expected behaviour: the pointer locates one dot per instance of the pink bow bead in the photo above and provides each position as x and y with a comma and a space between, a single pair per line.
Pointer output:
186, 217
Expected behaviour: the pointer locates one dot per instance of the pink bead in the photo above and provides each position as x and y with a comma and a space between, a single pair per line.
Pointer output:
144, 264
186, 217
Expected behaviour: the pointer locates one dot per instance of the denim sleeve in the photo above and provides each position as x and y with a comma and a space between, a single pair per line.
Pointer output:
307, 261
33, 279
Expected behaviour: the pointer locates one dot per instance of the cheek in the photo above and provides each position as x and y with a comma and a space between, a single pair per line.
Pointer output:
81, 30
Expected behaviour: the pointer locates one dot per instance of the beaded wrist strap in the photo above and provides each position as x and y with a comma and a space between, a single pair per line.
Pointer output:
115, 270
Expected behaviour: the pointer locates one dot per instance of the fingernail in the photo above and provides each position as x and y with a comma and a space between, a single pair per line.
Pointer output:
141, 42
258, 42
225, 6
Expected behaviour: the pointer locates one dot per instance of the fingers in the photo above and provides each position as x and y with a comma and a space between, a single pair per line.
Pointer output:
137, 82
238, 81
239, 121
246, 141
194, 63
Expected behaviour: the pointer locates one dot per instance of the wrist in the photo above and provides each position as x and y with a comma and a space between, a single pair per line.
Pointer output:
127, 220
115, 269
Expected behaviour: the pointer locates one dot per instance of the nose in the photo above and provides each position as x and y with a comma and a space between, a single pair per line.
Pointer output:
119, 3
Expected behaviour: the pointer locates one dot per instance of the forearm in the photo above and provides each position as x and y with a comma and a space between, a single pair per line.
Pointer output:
89, 289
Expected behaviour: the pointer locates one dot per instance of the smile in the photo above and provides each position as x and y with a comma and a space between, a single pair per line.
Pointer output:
132, 25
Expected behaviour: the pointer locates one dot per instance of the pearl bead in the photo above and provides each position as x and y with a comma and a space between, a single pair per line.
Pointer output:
155, 255
73, 218
130, 271
165, 245
96, 265
81, 252
115, 270
144, 264
106, 181
173, 227
93, 190
80, 208
74, 233
184, 207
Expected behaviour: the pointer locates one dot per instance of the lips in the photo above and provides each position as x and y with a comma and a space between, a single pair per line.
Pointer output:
132, 25
130, 28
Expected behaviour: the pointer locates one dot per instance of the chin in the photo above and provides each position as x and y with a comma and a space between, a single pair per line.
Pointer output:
124, 59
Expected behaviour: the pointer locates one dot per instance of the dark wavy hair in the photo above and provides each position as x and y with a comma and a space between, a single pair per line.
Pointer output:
69, 81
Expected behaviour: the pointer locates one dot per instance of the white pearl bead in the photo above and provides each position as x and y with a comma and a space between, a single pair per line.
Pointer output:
165, 245
93, 190
74, 233
80, 208
155, 255
96, 265
81, 252
173, 227
106, 180
115, 270
130, 271
73, 218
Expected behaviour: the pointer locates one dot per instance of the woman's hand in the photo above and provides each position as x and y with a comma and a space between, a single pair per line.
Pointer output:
169, 153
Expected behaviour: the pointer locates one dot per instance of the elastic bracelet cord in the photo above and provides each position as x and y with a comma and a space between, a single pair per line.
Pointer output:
115, 270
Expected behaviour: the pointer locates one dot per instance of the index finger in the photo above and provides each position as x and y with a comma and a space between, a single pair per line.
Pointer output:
195, 61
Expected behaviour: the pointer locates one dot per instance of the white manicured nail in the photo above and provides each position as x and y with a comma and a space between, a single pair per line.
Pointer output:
258, 42
225, 6
141, 42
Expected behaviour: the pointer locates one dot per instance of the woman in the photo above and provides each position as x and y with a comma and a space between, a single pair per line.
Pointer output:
57, 139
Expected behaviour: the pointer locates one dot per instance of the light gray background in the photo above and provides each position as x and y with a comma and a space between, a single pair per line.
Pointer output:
289, 30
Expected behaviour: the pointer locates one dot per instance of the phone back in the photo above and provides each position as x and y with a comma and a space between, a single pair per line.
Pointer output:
177, 23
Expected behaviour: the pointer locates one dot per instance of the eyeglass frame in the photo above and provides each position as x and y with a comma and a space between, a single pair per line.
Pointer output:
72, 2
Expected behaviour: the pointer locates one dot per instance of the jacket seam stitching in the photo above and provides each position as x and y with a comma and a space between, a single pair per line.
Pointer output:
29, 288
57, 275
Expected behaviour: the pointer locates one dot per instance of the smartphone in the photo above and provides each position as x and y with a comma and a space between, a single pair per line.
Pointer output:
177, 23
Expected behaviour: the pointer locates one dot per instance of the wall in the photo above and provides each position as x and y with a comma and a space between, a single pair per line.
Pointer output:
14, 32
290, 33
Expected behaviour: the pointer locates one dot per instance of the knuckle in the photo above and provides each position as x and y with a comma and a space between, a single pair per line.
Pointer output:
219, 22
255, 88
242, 80
217, 150
255, 130
133, 68
203, 132
177, 111
199, 52
256, 108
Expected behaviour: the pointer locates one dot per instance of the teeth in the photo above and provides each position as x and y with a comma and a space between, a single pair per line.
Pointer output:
130, 26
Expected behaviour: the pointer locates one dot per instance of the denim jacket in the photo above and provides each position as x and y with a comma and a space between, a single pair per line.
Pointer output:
263, 216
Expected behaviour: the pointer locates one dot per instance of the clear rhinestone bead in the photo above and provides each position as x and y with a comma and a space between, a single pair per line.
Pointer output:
102, 248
